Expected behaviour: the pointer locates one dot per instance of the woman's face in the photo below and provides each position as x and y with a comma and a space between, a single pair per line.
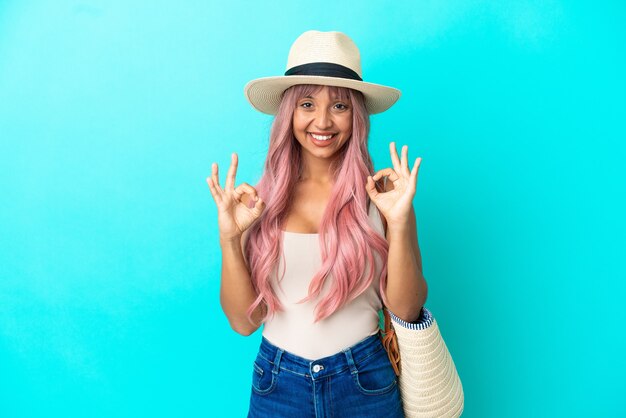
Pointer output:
319, 116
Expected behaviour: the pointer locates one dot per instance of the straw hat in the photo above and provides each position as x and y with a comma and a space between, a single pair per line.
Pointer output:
327, 58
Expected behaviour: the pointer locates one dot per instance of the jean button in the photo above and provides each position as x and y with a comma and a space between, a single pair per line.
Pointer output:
317, 368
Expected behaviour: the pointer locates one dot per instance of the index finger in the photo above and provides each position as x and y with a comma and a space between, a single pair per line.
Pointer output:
386, 172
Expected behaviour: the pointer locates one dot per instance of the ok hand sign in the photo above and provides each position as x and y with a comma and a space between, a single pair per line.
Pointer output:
234, 216
396, 205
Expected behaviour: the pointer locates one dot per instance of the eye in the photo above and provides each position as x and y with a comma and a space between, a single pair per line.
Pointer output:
342, 106
306, 103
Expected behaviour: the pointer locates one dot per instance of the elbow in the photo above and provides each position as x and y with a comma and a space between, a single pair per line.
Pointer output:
246, 329
239, 322
409, 316
409, 312
410, 306
246, 332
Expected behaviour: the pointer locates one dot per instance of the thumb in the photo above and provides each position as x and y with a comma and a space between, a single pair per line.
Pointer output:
259, 206
370, 187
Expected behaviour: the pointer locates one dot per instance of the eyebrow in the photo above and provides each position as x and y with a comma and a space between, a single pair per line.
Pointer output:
332, 98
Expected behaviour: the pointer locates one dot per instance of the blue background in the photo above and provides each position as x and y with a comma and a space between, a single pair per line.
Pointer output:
111, 114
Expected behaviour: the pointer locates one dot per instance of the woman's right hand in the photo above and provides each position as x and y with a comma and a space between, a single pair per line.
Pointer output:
233, 215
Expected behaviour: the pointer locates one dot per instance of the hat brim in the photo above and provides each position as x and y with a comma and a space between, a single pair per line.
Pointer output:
264, 94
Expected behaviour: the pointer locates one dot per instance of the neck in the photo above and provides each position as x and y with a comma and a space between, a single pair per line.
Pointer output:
317, 170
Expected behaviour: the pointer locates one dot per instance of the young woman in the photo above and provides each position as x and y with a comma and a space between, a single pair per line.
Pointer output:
316, 248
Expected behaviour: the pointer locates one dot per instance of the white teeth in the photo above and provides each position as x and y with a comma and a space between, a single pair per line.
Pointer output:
321, 137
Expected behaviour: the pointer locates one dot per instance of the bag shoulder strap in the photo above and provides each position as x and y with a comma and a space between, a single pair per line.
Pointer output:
390, 342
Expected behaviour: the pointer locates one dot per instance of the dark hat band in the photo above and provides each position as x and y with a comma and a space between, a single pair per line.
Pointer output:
326, 69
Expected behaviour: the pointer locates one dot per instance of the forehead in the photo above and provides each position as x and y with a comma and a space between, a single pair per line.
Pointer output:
317, 91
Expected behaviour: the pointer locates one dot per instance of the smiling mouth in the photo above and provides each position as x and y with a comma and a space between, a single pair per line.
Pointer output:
322, 137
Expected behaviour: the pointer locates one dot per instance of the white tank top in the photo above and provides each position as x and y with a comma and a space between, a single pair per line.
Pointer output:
293, 329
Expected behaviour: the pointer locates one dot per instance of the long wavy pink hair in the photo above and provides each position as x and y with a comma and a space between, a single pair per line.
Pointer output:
351, 239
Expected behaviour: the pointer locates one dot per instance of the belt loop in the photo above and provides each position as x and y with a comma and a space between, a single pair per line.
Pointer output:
348, 353
279, 353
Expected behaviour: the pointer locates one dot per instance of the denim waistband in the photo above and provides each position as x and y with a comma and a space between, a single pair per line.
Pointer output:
323, 367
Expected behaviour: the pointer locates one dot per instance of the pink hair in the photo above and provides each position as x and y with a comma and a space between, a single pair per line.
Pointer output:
351, 239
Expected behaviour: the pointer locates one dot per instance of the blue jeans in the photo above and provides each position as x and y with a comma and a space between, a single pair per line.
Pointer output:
359, 381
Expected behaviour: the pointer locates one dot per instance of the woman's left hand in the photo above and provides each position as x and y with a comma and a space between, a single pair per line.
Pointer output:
395, 205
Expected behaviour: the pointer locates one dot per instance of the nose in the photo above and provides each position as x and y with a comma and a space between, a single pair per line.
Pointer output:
323, 119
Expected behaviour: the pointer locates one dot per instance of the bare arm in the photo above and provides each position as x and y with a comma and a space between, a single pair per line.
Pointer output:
387, 185
235, 216
237, 292
406, 287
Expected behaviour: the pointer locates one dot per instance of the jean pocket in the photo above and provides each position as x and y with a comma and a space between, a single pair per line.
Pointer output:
263, 379
375, 375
